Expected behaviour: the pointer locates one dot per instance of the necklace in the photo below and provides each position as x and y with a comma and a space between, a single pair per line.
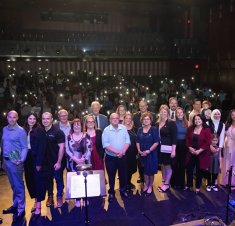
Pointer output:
79, 137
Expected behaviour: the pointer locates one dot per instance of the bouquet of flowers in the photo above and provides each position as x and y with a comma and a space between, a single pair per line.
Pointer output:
14, 155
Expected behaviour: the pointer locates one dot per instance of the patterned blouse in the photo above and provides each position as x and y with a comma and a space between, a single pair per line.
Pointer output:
79, 149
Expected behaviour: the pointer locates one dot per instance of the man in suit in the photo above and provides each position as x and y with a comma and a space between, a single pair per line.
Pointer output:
173, 104
101, 120
143, 106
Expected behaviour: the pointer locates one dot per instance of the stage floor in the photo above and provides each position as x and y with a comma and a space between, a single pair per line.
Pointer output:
160, 209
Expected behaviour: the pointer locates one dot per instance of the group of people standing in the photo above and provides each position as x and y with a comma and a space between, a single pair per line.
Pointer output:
122, 144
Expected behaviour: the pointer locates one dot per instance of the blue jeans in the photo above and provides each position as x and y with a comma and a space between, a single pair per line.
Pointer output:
114, 164
58, 175
15, 177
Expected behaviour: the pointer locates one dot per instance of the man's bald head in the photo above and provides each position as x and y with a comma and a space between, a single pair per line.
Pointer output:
12, 118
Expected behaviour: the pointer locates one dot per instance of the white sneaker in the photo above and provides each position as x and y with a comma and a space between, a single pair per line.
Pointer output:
208, 188
77, 203
214, 188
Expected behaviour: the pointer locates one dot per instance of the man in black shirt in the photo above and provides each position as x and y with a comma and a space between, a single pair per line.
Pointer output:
55, 152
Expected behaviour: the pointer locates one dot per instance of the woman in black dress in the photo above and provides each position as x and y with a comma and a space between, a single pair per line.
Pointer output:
35, 175
132, 150
168, 137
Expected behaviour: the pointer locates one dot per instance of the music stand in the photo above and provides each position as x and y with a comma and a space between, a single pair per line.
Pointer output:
85, 183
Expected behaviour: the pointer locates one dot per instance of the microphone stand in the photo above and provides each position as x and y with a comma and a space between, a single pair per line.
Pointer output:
83, 169
84, 173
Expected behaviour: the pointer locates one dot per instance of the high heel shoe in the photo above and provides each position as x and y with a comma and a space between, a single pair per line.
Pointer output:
37, 213
164, 188
33, 208
144, 191
149, 193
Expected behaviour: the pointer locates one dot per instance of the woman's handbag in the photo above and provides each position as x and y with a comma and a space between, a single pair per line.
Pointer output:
166, 149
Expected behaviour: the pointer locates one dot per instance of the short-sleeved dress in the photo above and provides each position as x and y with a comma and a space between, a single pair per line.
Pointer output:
146, 140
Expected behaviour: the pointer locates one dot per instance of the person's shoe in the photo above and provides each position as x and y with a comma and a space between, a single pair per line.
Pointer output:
11, 209
164, 188
147, 193
18, 216
59, 202
214, 188
84, 202
77, 203
37, 213
186, 188
33, 208
131, 186
144, 191
0, 220
140, 181
111, 197
208, 188
50, 201
124, 194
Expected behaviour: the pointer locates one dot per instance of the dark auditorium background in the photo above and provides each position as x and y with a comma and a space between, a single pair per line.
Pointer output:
90, 48
158, 38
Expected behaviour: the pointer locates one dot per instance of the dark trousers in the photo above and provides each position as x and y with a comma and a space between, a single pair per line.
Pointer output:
200, 173
58, 175
35, 180
178, 168
114, 164
129, 176
211, 179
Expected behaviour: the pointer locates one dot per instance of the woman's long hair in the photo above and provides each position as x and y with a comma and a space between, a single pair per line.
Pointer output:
184, 121
26, 125
229, 119
204, 125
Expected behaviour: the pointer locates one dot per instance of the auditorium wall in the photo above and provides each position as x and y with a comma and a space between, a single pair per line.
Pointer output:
129, 68
221, 45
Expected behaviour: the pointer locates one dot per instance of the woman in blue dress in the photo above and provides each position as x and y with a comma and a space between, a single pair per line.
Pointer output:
147, 142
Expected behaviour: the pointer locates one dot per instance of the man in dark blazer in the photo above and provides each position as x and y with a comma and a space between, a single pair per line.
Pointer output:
101, 120
143, 106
